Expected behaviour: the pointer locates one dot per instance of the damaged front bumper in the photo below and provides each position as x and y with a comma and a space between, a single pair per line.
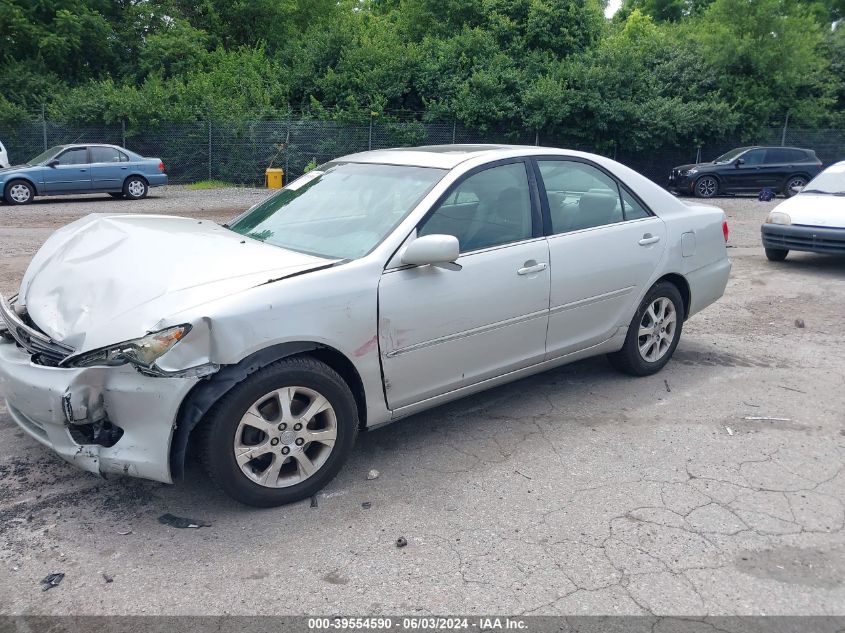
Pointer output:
101, 419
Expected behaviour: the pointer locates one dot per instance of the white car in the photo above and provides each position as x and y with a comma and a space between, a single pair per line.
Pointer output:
4, 156
377, 285
813, 220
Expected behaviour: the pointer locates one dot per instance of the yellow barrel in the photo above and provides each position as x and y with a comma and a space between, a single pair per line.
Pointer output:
274, 178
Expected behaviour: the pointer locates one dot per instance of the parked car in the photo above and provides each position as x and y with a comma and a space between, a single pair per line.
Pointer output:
69, 169
378, 285
747, 169
813, 221
4, 157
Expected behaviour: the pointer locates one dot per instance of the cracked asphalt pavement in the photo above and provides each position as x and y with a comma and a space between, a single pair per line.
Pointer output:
577, 491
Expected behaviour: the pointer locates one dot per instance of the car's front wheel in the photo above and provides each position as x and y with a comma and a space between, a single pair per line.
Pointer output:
282, 434
653, 333
19, 192
706, 187
135, 188
776, 254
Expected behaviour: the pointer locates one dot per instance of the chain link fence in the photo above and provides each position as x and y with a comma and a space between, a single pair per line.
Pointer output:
239, 151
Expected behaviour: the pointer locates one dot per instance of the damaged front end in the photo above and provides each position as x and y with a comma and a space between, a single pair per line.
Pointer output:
115, 417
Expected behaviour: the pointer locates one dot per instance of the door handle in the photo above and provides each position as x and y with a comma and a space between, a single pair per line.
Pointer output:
648, 238
532, 268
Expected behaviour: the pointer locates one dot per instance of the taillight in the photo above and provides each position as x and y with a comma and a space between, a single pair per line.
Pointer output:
725, 229
161, 165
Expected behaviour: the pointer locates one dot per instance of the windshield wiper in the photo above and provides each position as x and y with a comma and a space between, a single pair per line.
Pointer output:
827, 193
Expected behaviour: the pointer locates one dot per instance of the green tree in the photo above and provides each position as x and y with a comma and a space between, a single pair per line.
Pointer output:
768, 57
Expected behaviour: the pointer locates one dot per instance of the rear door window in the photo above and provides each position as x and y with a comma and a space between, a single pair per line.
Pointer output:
580, 196
105, 155
632, 209
777, 156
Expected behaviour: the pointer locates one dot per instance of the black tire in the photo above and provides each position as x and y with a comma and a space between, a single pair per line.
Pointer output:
135, 188
776, 254
18, 192
116, 195
222, 422
706, 187
629, 360
794, 181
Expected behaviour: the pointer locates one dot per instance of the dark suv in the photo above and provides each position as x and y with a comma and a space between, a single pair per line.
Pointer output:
748, 169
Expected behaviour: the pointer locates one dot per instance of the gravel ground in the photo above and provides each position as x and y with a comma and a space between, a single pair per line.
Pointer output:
578, 491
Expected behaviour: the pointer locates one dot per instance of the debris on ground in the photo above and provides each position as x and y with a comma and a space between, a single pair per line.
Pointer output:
181, 522
799, 323
125, 532
108, 578
401, 541
52, 580
791, 389
729, 430
373, 474
367, 505
668, 388
518, 472
314, 501
764, 418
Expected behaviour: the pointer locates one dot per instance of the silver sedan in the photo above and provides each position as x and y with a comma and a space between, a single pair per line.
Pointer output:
376, 286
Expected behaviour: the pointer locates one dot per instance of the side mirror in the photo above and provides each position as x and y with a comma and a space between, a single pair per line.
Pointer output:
431, 249
739, 161
53, 162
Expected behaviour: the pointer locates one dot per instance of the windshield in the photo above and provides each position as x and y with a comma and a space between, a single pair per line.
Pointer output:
339, 210
831, 181
49, 153
729, 156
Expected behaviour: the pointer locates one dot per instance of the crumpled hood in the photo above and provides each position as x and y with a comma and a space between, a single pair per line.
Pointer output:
114, 277
815, 210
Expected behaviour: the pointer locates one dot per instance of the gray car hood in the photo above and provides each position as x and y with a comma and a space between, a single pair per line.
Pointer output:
109, 278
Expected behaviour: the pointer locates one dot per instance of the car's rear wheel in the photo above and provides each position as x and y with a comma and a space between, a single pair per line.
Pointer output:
135, 188
19, 192
706, 187
793, 181
282, 434
653, 333
116, 195
776, 254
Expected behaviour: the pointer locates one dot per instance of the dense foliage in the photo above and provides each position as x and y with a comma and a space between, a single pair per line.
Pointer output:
660, 71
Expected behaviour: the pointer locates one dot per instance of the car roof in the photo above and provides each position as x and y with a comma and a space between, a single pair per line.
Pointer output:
801, 149
66, 145
446, 156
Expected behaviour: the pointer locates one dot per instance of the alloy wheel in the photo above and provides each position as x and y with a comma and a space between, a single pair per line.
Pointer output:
285, 437
795, 182
706, 187
657, 329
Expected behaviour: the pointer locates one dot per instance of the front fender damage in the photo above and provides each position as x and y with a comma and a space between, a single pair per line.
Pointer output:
210, 389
